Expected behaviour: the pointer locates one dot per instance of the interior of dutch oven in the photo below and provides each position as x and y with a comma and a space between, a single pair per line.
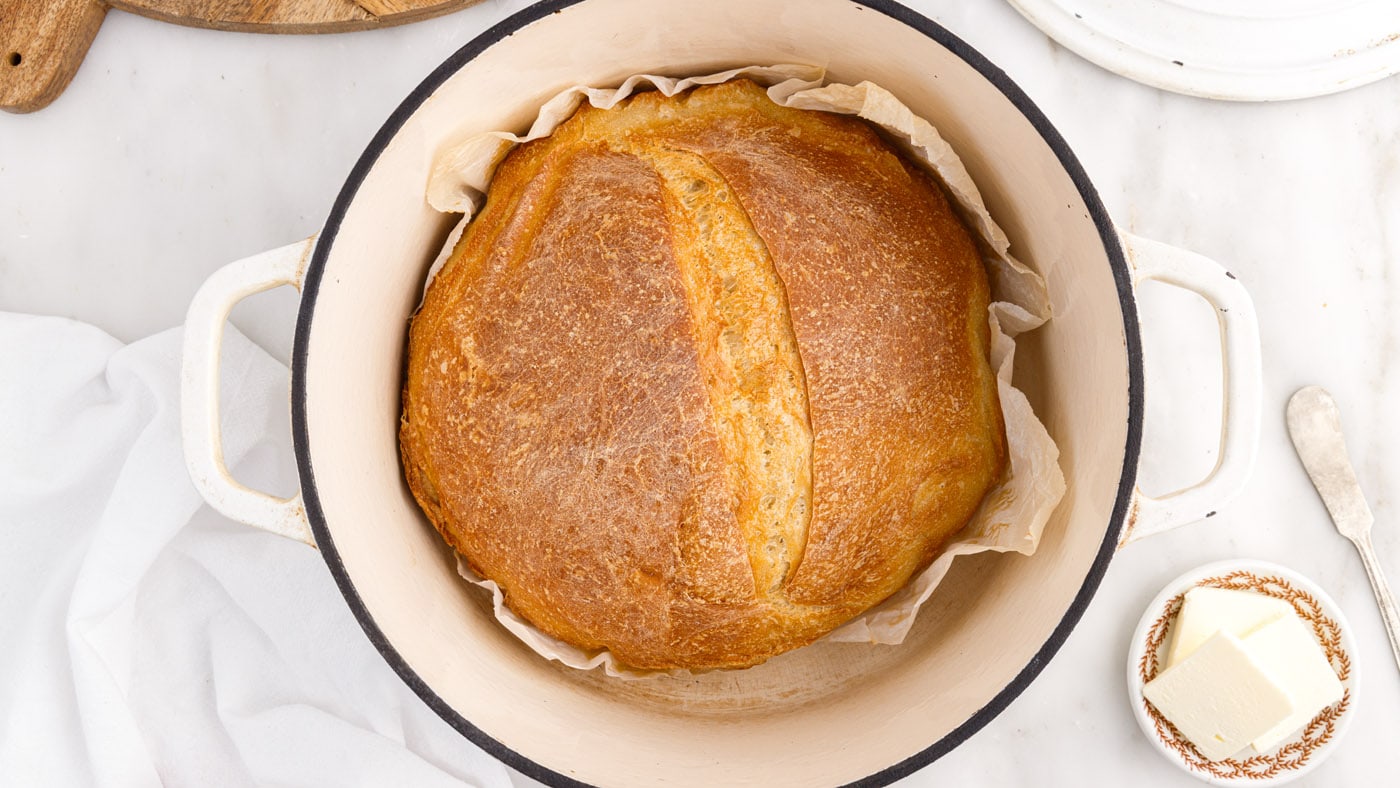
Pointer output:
825, 714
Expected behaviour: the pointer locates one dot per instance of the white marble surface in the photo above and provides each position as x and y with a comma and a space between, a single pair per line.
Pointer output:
176, 150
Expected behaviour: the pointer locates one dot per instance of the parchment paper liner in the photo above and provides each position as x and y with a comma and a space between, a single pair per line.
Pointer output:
1013, 514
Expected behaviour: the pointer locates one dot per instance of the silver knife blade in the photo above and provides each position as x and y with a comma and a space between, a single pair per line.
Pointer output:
1315, 425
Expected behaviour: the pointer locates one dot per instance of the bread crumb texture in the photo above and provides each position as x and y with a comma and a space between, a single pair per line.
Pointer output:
705, 378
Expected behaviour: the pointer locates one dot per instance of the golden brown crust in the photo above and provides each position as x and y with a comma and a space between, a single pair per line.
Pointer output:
704, 379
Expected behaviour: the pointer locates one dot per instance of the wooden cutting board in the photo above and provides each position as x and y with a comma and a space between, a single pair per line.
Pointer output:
42, 42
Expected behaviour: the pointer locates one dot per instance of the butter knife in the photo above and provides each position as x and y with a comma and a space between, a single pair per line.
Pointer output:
1315, 425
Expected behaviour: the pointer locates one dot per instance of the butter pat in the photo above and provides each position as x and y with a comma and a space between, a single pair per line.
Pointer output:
1288, 652
1220, 697
1206, 611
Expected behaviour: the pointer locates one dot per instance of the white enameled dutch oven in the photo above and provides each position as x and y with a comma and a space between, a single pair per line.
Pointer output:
822, 715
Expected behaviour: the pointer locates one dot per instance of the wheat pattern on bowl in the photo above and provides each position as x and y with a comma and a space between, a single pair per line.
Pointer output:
1298, 754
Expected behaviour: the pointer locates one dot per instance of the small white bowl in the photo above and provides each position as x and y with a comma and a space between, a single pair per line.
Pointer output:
1295, 756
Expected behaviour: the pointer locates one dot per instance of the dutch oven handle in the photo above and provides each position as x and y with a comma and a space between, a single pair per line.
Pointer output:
199, 390
1242, 386
1240, 428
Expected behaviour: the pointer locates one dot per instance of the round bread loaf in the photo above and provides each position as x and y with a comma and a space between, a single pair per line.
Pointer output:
705, 378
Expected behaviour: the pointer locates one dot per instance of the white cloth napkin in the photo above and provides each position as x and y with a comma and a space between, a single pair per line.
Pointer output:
146, 640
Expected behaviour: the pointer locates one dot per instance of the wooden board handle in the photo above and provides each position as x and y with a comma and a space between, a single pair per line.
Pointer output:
42, 43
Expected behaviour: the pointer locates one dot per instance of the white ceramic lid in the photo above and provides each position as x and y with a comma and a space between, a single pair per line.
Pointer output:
1243, 50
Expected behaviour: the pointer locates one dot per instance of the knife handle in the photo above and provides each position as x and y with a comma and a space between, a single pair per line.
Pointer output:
1381, 589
